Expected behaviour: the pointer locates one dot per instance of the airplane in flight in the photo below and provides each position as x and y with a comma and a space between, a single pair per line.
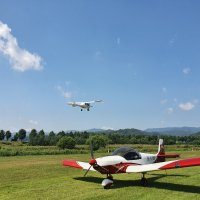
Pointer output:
128, 160
84, 105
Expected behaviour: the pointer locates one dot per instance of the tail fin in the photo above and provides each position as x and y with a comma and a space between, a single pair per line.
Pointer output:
161, 156
161, 148
161, 151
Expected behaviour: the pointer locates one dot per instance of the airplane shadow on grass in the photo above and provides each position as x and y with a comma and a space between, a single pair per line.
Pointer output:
151, 183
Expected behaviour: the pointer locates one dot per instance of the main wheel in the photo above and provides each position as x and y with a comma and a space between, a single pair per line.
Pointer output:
144, 182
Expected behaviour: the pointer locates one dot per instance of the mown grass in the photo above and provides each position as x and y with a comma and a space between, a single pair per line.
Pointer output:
44, 177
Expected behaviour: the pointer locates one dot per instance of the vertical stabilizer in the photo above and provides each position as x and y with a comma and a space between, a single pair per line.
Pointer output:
161, 151
161, 148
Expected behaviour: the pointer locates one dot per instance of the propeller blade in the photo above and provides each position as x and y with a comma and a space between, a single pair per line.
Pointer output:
93, 160
87, 170
91, 150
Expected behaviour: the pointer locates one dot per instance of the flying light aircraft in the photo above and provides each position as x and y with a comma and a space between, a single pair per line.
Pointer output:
84, 105
128, 160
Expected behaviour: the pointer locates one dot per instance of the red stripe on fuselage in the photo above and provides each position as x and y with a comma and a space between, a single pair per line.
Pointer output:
71, 163
113, 169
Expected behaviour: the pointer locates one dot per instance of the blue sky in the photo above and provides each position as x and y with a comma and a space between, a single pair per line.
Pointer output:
142, 58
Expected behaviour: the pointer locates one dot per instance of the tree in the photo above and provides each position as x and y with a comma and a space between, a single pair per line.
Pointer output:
52, 139
41, 138
66, 142
2, 134
97, 141
61, 134
21, 134
33, 137
8, 135
15, 138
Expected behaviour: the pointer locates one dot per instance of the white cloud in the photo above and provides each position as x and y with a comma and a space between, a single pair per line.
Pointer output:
33, 122
172, 40
163, 101
164, 89
65, 94
170, 110
186, 71
20, 59
98, 55
107, 128
118, 40
186, 106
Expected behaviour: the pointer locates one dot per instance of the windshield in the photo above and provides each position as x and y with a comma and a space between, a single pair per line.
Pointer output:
128, 153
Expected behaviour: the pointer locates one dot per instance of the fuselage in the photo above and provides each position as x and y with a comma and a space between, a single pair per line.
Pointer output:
117, 164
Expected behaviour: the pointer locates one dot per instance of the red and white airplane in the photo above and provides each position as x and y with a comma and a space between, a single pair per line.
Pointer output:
128, 160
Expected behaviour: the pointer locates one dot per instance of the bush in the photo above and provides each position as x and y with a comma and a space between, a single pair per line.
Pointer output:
97, 141
66, 142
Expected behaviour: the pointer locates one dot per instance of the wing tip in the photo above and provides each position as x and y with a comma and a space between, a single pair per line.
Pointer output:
71, 163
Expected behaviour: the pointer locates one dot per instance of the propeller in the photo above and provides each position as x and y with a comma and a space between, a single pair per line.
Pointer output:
92, 161
91, 150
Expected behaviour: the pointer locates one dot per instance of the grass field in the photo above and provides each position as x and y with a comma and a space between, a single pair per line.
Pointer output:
44, 177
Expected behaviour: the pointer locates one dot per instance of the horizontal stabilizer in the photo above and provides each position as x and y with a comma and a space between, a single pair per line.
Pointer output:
169, 155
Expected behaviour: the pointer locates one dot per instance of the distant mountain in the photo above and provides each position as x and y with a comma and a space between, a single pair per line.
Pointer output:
130, 131
177, 131
197, 134
120, 131
95, 130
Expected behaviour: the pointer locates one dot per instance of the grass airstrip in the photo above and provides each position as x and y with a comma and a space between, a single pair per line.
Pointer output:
43, 177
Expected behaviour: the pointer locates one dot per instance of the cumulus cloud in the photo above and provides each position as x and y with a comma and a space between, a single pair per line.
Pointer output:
20, 59
186, 106
63, 92
163, 101
186, 71
170, 110
33, 122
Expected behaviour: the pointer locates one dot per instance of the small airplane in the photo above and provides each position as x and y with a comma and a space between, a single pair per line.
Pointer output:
83, 105
128, 160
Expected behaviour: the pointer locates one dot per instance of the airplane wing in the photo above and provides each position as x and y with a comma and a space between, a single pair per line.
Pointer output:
164, 165
96, 101
78, 164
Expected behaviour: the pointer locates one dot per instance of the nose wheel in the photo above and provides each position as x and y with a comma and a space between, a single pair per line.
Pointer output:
108, 182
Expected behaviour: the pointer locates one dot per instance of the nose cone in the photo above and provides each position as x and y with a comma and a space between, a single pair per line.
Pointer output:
92, 162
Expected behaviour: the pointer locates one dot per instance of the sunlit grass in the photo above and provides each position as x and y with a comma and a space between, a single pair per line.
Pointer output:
44, 177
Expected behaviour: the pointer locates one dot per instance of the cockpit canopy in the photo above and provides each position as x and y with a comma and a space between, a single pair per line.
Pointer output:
128, 153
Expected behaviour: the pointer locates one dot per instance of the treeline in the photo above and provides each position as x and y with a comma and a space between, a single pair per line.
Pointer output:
40, 138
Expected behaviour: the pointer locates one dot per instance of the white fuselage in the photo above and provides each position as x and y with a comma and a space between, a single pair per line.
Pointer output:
114, 160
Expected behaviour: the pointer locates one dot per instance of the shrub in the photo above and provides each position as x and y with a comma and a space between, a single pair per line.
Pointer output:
66, 142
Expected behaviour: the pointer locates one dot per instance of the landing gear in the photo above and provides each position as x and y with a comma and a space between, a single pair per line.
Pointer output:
81, 109
109, 176
88, 109
144, 181
107, 183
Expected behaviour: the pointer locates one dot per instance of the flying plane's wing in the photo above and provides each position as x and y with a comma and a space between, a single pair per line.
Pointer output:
164, 165
78, 164
94, 101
